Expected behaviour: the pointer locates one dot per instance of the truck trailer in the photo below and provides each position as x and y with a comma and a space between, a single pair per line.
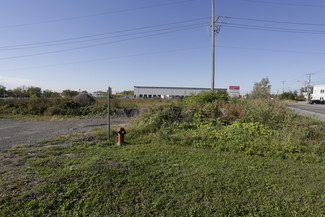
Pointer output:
318, 94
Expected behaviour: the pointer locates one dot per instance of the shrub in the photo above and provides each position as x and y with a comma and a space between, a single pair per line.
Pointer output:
206, 97
232, 111
161, 117
254, 127
271, 113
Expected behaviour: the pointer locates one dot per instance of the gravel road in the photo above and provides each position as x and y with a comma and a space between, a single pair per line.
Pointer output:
15, 132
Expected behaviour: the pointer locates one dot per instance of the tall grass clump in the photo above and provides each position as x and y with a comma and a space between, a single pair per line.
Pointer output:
272, 113
254, 127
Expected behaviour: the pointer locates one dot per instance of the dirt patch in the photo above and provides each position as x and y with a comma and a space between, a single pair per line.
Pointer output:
23, 132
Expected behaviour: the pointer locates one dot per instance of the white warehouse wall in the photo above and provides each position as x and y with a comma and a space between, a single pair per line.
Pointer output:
167, 92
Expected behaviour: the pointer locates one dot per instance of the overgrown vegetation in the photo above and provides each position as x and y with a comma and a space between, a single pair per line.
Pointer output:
255, 127
201, 156
67, 106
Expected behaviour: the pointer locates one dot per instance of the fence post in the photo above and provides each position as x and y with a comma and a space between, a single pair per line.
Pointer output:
108, 112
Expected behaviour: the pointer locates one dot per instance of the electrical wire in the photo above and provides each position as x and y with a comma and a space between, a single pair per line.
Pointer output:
96, 15
284, 3
110, 58
275, 21
93, 37
272, 50
100, 44
273, 29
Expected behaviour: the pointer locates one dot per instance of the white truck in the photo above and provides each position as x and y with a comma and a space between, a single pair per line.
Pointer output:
318, 96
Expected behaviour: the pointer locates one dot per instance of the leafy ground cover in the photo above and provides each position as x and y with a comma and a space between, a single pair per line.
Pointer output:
202, 156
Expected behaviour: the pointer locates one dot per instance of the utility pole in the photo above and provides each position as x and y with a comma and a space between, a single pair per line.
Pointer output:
215, 29
283, 86
213, 47
308, 87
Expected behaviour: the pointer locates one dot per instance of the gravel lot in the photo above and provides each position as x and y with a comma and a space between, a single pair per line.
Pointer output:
15, 132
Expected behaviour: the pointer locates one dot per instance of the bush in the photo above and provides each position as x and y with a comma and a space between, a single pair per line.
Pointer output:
271, 113
254, 127
206, 97
161, 117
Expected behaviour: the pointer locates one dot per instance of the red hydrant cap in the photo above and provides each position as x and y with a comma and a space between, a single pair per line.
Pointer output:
121, 130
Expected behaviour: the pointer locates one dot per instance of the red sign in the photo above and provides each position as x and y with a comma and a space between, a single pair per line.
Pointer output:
234, 87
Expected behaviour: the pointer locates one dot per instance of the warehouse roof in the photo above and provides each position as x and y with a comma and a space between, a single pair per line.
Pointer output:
189, 88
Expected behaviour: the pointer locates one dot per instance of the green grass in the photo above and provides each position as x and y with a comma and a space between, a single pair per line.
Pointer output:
187, 158
75, 178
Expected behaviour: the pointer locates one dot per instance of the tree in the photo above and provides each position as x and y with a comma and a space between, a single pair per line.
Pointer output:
10, 93
69, 93
20, 92
34, 91
261, 89
289, 95
2, 91
127, 92
49, 93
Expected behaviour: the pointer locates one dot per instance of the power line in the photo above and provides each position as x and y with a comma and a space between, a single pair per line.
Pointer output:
273, 29
318, 82
273, 50
97, 45
108, 58
103, 38
93, 37
275, 21
284, 3
159, 52
96, 15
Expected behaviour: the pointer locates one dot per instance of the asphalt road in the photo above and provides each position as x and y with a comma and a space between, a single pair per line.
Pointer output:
14, 132
315, 111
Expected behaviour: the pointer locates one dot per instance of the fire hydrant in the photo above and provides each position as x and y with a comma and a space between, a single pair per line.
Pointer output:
120, 135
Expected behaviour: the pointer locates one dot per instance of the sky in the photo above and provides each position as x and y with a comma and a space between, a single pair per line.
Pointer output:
92, 44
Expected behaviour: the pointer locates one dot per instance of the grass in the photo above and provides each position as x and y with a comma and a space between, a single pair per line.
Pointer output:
71, 177
200, 157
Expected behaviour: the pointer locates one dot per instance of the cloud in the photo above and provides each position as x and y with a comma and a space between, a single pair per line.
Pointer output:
13, 82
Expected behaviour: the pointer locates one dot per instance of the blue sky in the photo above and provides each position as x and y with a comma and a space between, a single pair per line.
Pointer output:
90, 45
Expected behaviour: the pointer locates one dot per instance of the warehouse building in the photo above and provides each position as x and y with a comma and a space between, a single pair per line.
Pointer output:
168, 92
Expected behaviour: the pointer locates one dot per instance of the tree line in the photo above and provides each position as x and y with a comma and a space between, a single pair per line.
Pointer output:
261, 89
34, 92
